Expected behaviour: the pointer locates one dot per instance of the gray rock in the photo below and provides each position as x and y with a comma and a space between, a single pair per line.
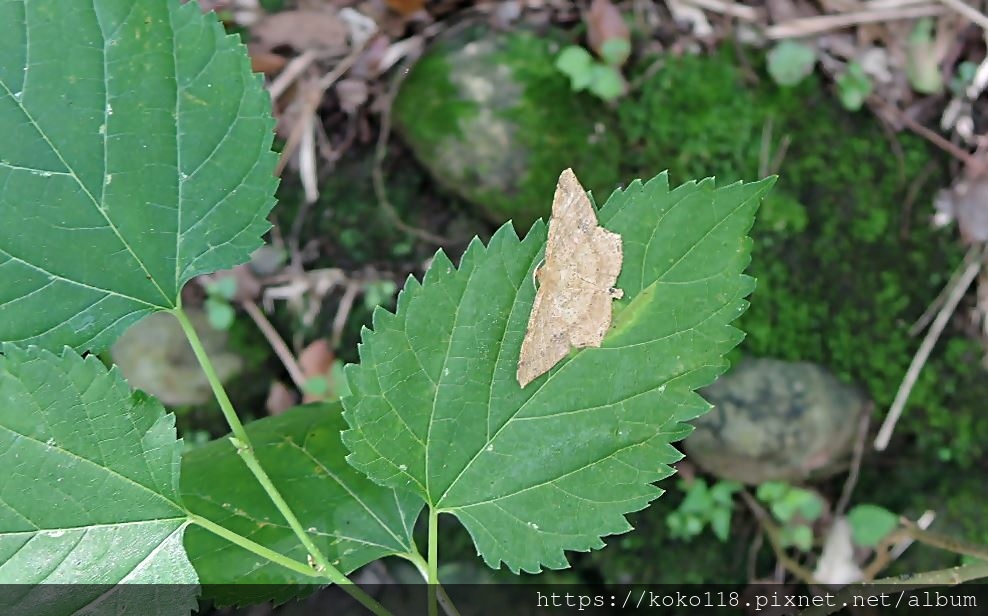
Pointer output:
155, 357
776, 421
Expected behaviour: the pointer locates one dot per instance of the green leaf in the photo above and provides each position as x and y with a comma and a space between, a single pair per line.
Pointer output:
871, 523
853, 86
137, 155
771, 491
963, 77
615, 51
89, 490
720, 523
789, 62
798, 535
316, 385
223, 288
922, 59
606, 82
220, 313
576, 62
436, 407
786, 501
352, 519
379, 292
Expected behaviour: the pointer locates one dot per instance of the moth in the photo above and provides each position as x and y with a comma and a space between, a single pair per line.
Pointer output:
572, 306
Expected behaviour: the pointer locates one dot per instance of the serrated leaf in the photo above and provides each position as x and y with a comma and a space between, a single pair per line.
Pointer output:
353, 520
136, 156
89, 491
435, 407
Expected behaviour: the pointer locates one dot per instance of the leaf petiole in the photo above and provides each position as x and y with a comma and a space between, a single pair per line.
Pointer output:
245, 450
255, 548
433, 548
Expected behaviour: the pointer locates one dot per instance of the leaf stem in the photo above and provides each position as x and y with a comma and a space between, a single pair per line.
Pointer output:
443, 597
246, 452
256, 548
433, 560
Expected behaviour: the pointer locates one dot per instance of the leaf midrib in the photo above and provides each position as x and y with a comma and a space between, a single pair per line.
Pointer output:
71, 172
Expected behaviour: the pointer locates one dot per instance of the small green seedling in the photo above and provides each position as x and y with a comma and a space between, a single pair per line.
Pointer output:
219, 294
853, 86
601, 78
870, 524
795, 508
703, 506
789, 62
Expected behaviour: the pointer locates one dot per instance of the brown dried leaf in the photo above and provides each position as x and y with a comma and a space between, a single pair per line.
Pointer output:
572, 307
316, 361
280, 398
352, 93
604, 23
301, 30
266, 62
405, 7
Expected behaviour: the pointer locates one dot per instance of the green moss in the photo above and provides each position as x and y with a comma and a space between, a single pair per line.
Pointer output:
349, 223
838, 281
494, 120
428, 108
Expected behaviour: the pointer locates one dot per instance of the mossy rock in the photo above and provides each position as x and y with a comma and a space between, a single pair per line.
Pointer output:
495, 122
843, 251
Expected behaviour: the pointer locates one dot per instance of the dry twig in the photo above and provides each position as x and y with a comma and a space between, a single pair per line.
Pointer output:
856, 457
277, 343
773, 533
807, 26
310, 102
974, 261
731, 9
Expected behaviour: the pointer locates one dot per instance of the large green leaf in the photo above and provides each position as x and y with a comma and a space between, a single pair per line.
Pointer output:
136, 155
555, 466
88, 492
353, 520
